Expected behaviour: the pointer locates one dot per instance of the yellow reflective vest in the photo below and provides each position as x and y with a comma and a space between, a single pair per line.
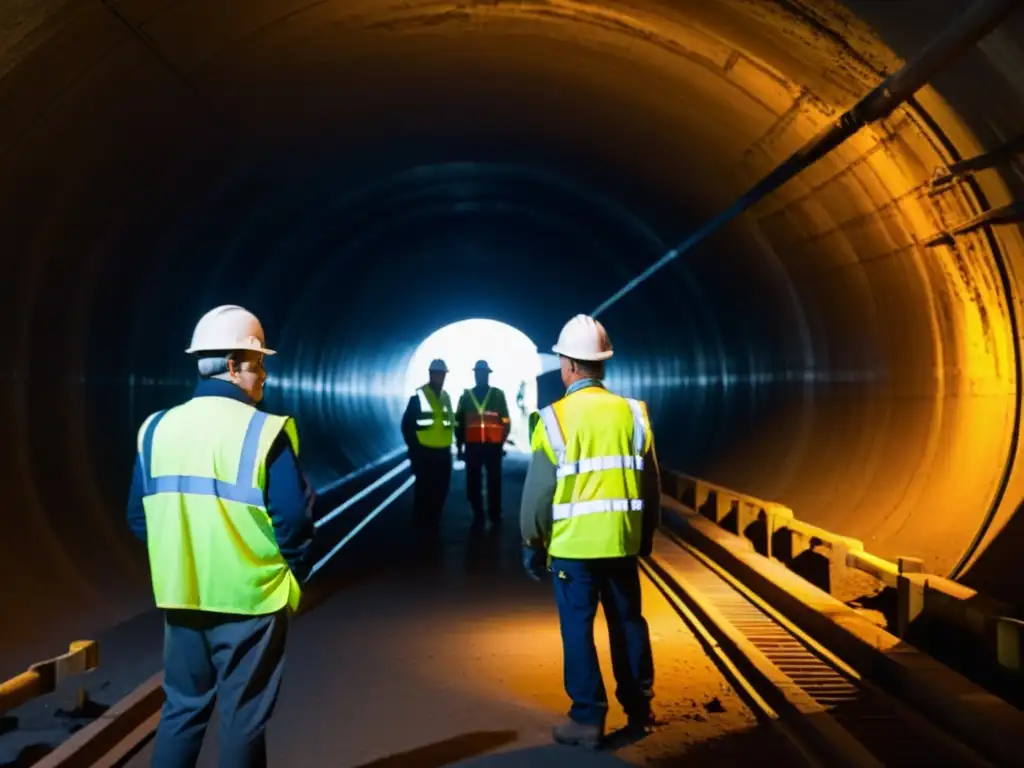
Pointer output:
597, 441
435, 426
210, 539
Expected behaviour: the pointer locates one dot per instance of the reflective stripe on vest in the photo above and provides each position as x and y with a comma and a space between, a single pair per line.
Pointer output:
565, 511
241, 491
598, 452
599, 464
210, 538
595, 463
435, 424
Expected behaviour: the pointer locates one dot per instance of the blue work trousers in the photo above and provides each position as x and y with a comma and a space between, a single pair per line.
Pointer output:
234, 660
614, 583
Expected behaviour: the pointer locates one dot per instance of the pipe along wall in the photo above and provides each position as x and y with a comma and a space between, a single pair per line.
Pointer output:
361, 174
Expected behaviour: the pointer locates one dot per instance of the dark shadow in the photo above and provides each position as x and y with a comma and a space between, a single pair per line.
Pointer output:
549, 756
446, 752
483, 549
864, 715
730, 522
684, 493
623, 737
959, 649
885, 601
708, 508
782, 546
761, 745
87, 710
757, 534
814, 568
670, 745
30, 755
994, 573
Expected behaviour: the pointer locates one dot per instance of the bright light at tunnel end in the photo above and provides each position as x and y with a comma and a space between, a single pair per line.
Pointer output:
510, 353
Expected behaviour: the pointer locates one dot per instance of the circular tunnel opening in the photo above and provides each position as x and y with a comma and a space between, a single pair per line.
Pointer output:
344, 169
511, 355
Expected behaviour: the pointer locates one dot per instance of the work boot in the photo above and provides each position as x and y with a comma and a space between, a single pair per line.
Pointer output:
577, 734
641, 722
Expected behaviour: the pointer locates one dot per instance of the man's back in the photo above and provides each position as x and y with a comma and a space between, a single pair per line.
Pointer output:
596, 420
592, 450
482, 416
212, 428
211, 543
592, 499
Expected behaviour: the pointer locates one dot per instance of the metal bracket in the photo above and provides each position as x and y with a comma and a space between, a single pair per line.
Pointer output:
998, 156
44, 677
1008, 214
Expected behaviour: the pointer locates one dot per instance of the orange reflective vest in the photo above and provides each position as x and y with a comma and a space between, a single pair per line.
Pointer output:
483, 425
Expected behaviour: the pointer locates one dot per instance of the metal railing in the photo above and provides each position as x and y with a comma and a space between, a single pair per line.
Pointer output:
83, 655
45, 676
775, 532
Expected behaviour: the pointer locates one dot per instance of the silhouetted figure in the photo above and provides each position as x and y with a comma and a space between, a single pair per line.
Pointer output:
481, 428
428, 427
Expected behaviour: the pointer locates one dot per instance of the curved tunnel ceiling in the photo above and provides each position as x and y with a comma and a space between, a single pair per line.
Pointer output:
353, 171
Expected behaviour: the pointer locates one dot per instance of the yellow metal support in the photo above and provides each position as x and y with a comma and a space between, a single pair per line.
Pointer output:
912, 597
44, 677
917, 591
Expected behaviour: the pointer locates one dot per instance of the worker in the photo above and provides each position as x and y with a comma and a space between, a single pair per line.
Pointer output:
592, 502
226, 514
482, 426
428, 427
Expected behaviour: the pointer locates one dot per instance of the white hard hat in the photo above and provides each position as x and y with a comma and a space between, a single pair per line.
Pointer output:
583, 338
228, 328
438, 366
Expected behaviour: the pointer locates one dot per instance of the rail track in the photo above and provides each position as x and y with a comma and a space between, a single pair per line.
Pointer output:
827, 711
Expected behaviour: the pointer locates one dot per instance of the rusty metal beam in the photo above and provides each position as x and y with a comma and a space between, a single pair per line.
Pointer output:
991, 159
976, 22
1008, 214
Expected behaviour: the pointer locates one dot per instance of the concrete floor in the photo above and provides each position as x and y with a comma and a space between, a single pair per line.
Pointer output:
456, 660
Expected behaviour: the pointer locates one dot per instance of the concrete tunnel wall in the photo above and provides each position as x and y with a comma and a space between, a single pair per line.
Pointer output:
314, 160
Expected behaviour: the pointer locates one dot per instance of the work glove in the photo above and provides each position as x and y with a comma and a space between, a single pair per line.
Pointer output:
535, 562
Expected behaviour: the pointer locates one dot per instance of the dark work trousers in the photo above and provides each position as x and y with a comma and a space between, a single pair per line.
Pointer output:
433, 470
614, 583
479, 458
234, 660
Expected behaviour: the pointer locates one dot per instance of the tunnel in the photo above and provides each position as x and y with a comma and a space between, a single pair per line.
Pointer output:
362, 173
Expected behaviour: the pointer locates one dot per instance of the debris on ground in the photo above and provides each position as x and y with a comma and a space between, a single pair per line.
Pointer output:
715, 705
